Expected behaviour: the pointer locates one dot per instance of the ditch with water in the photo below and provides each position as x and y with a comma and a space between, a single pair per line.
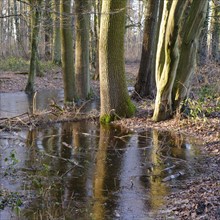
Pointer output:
82, 170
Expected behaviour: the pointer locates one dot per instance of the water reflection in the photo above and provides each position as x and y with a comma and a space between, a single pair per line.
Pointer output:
84, 171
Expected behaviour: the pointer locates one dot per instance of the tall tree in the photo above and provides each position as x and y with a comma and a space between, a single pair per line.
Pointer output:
174, 41
47, 29
144, 86
115, 101
95, 48
16, 22
82, 48
215, 31
56, 54
190, 41
67, 51
35, 7
203, 41
1, 24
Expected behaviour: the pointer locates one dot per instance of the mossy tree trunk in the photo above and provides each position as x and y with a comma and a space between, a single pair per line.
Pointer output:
144, 86
115, 101
82, 48
35, 7
167, 57
176, 54
56, 54
190, 41
67, 52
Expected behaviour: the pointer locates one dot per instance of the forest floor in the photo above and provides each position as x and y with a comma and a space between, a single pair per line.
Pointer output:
199, 198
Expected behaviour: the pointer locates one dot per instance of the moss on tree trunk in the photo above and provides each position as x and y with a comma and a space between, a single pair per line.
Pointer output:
176, 54
115, 101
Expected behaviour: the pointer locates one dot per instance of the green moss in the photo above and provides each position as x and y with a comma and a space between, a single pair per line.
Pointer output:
131, 109
90, 95
124, 112
107, 118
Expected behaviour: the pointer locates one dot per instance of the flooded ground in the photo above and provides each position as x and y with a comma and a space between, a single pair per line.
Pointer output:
82, 170
13, 104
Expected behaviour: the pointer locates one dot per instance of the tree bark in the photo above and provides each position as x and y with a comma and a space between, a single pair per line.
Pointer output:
47, 29
176, 55
35, 28
56, 56
215, 33
186, 66
115, 102
167, 57
144, 86
98, 6
203, 41
67, 52
16, 21
82, 48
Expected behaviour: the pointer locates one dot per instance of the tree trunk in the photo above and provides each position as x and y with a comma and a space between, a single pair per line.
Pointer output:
177, 54
35, 27
115, 102
144, 81
185, 70
48, 30
167, 57
215, 33
67, 52
1, 27
16, 21
82, 48
98, 6
203, 41
56, 57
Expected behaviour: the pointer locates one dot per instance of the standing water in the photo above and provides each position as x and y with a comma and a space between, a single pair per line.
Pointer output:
83, 171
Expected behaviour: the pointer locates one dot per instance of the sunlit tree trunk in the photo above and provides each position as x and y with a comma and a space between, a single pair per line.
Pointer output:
35, 7
186, 67
115, 101
56, 57
67, 52
82, 48
16, 22
167, 57
176, 54
144, 86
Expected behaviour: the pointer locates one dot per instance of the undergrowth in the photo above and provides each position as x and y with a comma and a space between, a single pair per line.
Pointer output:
19, 64
206, 105
14, 64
